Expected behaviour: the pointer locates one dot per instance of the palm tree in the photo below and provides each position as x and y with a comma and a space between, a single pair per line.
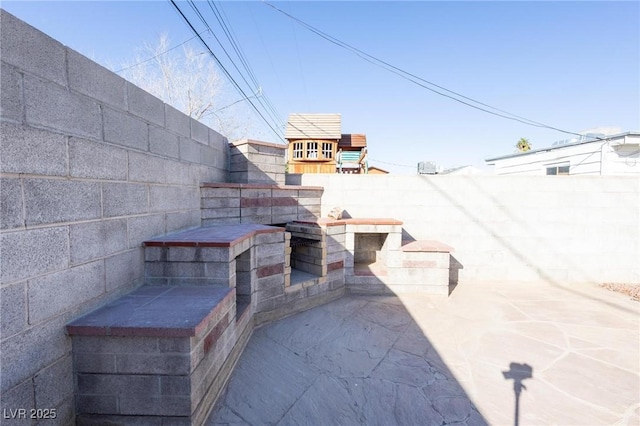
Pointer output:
523, 145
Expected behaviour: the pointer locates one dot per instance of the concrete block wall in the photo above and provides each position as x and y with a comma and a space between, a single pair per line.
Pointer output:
559, 229
232, 203
254, 161
90, 167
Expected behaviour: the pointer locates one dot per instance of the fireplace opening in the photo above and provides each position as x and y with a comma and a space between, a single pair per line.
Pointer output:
306, 259
369, 254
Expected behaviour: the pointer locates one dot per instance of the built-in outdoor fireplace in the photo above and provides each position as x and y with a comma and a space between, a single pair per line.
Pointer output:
369, 253
307, 252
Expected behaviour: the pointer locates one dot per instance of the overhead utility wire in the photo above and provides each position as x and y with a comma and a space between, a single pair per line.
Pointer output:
237, 86
159, 54
204, 21
228, 30
236, 48
402, 73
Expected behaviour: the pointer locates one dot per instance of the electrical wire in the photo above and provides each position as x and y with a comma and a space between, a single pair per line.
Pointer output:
391, 164
159, 54
416, 79
233, 81
228, 30
204, 21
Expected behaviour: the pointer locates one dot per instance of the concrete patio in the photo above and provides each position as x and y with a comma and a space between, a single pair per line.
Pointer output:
428, 360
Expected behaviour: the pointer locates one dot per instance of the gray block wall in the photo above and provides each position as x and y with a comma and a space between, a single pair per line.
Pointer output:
253, 161
558, 229
258, 203
90, 167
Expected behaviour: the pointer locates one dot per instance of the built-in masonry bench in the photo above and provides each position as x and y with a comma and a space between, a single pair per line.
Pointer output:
165, 351
153, 355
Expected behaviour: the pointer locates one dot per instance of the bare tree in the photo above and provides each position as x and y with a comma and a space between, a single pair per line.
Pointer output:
189, 81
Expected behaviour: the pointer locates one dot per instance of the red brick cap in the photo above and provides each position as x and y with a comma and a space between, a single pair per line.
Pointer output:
351, 221
427, 246
212, 236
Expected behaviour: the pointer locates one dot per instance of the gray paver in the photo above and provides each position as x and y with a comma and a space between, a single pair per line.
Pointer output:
420, 359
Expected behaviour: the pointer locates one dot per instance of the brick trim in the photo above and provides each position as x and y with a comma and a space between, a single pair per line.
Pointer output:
266, 271
335, 266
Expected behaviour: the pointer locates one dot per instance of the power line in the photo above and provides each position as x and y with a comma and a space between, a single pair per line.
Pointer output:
236, 85
159, 54
412, 77
392, 164
204, 21
228, 30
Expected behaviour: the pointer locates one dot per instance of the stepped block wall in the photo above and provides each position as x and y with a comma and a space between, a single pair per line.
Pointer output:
254, 161
91, 166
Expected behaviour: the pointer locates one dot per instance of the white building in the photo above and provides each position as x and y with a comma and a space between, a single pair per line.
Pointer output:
593, 155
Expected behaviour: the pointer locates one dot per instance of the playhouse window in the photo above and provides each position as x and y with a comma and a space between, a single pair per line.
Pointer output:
327, 151
312, 150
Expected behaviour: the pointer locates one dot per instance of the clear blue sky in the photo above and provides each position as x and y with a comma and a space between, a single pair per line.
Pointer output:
572, 65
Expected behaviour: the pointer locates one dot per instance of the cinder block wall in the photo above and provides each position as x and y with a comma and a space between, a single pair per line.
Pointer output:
254, 161
560, 229
91, 166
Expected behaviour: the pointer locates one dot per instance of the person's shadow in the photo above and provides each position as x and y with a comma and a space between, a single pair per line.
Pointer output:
517, 373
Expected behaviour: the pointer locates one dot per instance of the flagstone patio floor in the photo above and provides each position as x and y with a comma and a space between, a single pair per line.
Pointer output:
425, 360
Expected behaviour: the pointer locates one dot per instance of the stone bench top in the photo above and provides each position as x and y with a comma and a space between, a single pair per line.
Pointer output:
259, 186
155, 311
212, 236
351, 221
426, 246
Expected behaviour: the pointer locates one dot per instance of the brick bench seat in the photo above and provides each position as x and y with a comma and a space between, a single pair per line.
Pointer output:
163, 352
153, 356
212, 236
208, 255
157, 311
